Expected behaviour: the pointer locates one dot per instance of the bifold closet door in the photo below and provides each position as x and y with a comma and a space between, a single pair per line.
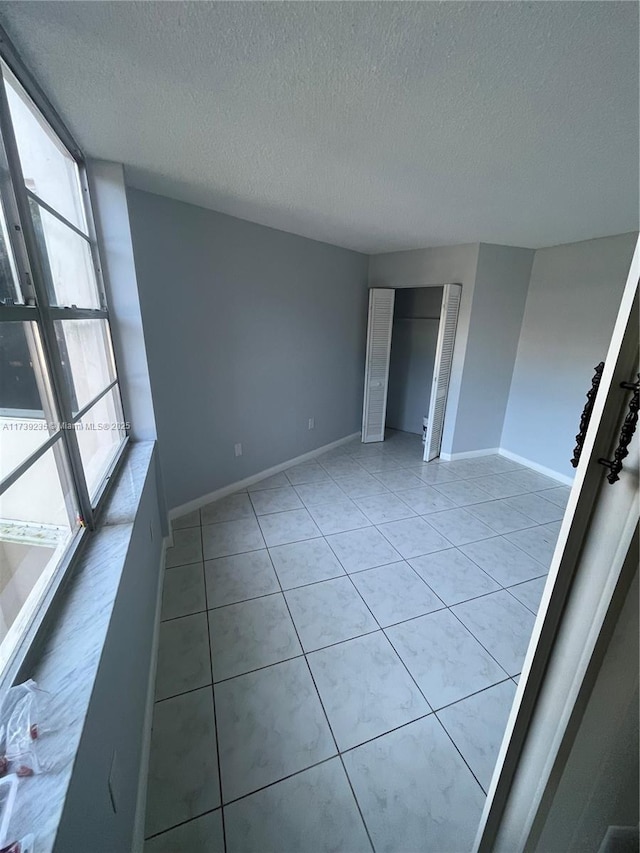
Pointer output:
376, 373
442, 369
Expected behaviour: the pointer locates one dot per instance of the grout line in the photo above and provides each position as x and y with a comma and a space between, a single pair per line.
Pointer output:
182, 823
213, 698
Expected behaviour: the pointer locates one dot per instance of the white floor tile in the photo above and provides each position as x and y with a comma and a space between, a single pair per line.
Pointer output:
415, 791
231, 537
459, 526
300, 563
501, 624
201, 835
270, 725
250, 635
312, 812
529, 593
445, 659
275, 500
502, 515
329, 612
365, 689
183, 656
453, 576
362, 549
187, 548
503, 561
412, 537
476, 726
183, 591
395, 593
385, 507
338, 516
284, 527
183, 766
239, 577
191, 519
231, 508
425, 500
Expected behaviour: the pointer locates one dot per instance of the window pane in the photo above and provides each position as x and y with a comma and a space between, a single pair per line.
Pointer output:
35, 529
67, 262
48, 169
26, 419
87, 358
100, 433
9, 289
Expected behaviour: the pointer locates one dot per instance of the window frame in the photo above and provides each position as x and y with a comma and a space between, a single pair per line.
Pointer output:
36, 308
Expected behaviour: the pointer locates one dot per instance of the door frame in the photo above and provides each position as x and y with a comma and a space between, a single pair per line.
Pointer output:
581, 598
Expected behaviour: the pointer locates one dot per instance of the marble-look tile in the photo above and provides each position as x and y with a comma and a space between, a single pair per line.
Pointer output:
463, 492
434, 472
381, 462
532, 481
385, 507
344, 467
276, 481
453, 576
499, 486
183, 656
538, 542
558, 495
425, 500
306, 472
300, 563
459, 526
476, 726
362, 549
187, 548
447, 662
202, 835
399, 480
415, 791
275, 500
412, 537
270, 725
329, 612
183, 765
280, 528
312, 812
183, 591
250, 635
502, 515
516, 679
315, 494
191, 519
465, 469
338, 516
365, 689
501, 624
362, 485
231, 508
529, 593
395, 593
485, 465
536, 507
239, 577
503, 561
231, 537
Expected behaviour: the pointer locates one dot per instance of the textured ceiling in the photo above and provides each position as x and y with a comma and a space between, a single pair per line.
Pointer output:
377, 126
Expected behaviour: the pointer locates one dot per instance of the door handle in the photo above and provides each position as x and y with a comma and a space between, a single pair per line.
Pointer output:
626, 433
586, 413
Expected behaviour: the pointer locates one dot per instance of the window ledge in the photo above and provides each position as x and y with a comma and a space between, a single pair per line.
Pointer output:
71, 652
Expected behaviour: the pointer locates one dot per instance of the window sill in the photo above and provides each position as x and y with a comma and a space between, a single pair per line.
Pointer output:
68, 662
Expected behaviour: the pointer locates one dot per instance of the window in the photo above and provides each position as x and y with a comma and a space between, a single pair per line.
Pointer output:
62, 426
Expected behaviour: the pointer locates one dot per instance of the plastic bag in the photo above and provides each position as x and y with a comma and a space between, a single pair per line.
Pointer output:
26, 845
20, 719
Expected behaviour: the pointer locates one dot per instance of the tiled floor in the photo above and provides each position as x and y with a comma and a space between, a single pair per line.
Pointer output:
339, 650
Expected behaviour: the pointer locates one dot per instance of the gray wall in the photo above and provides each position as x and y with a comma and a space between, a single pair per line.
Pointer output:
502, 279
571, 307
118, 702
428, 267
250, 332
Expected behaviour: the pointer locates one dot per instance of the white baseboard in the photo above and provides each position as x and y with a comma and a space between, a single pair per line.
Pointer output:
564, 479
469, 454
137, 845
178, 511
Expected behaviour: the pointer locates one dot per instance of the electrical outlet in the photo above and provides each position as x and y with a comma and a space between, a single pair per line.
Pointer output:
238, 449
312, 423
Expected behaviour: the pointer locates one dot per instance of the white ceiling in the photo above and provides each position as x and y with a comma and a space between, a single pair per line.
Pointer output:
372, 125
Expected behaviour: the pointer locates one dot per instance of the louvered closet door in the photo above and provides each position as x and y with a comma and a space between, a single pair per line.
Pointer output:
442, 369
376, 374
